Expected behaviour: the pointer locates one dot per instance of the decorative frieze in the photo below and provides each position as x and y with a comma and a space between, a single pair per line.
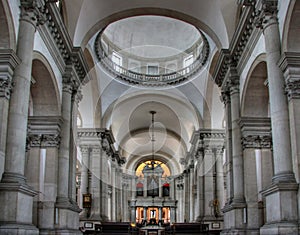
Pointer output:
43, 140
55, 33
290, 65
257, 142
103, 138
8, 62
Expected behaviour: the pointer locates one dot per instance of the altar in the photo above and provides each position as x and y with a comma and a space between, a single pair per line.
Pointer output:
152, 229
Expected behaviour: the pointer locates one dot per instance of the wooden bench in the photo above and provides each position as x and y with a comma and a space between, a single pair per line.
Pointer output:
190, 228
115, 228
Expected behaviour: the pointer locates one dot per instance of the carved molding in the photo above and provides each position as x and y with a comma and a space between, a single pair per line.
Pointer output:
267, 14
43, 140
103, 138
32, 11
8, 62
256, 142
56, 33
293, 89
243, 41
290, 65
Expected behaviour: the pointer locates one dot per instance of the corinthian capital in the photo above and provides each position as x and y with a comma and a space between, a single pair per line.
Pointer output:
32, 11
5, 88
293, 89
267, 14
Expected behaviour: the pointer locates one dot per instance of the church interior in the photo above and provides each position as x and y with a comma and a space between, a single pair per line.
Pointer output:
149, 117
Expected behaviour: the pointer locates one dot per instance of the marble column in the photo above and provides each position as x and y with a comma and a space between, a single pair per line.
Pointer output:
172, 215
191, 194
283, 170
16, 216
282, 193
237, 156
133, 187
67, 210
76, 98
64, 150
228, 164
8, 62
133, 211
145, 213
220, 177
104, 185
290, 65
95, 183
254, 218
208, 163
113, 195
234, 210
160, 214
185, 197
85, 152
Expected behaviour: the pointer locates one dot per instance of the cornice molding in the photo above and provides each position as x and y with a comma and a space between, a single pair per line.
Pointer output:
290, 65
59, 43
105, 140
8, 62
44, 131
243, 42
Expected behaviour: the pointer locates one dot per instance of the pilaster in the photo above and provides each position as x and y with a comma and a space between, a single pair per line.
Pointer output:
290, 65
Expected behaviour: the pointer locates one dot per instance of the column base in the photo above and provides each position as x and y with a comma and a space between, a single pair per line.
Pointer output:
18, 229
280, 228
67, 232
281, 209
67, 216
234, 215
67, 221
16, 211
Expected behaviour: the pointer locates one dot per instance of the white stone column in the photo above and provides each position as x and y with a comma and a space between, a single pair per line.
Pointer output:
95, 183
160, 214
18, 197
290, 65
237, 156
85, 152
104, 182
208, 163
113, 195
76, 98
172, 215
283, 192
8, 61
254, 219
220, 177
145, 213
191, 193
133, 187
133, 211
278, 101
64, 153
186, 197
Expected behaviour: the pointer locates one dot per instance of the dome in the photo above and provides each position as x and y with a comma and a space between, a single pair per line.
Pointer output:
151, 50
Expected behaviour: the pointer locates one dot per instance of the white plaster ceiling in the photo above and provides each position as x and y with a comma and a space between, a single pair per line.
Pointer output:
215, 17
152, 36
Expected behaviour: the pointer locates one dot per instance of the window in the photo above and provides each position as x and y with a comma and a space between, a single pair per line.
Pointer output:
188, 61
152, 69
166, 190
117, 60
